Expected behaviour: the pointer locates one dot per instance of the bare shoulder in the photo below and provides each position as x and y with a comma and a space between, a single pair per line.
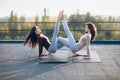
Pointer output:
42, 35
88, 35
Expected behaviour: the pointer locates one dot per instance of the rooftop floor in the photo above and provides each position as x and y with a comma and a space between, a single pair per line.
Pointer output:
22, 63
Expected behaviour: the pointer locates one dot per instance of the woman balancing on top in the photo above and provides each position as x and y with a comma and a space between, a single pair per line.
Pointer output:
56, 43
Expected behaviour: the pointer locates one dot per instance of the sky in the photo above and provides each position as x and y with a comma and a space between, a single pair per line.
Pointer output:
31, 8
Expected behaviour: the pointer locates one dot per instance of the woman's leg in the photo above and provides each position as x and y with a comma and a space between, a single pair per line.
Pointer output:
72, 43
64, 42
53, 45
59, 44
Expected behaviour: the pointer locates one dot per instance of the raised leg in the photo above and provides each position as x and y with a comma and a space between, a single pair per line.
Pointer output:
53, 45
72, 42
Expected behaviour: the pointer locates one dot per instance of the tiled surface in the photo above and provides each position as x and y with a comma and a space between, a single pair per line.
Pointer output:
94, 57
22, 63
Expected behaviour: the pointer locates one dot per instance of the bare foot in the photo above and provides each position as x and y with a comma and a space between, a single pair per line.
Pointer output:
76, 55
86, 55
59, 18
62, 15
43, 55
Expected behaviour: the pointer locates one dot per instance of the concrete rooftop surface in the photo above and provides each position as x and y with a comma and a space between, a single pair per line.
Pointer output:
22, 63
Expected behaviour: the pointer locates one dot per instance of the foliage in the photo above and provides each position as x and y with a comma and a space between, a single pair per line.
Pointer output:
17, 28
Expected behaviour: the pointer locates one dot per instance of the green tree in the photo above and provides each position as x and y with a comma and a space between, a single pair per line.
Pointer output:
13, 25
10, 24
89, 18
36, 19
22, 20
46, 25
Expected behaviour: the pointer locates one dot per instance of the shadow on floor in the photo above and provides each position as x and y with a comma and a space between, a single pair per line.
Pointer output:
25, 69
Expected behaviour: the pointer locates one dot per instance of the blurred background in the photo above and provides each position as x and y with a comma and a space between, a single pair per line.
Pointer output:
17, 17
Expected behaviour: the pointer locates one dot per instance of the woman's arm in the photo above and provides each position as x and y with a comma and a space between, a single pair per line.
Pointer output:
87, 46
43, 36
88, 38
43, 42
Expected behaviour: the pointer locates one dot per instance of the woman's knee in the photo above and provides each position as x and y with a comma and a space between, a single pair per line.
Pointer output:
61, 39
74, 48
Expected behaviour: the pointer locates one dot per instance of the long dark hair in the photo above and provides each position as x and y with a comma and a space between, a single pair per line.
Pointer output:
93, 30
32, 38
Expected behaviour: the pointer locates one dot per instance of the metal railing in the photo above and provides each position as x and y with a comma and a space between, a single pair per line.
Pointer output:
19, 30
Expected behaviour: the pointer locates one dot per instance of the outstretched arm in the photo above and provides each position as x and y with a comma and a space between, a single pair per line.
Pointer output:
87, 46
